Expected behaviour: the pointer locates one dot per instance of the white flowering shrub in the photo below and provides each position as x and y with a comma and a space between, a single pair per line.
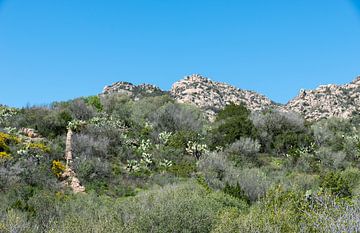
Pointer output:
132, 166
145, 145
101, 121
105, 120
148, 125
301, 151
196, 149
76, 125
165, 164
164, 137
6, 113
22, 152
145, 163
146, 160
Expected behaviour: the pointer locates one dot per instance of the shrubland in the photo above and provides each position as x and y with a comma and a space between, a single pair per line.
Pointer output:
154, 165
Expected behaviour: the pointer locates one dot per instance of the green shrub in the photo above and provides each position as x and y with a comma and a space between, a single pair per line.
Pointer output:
183, 168
173, 208
95, 102
180, 139
279, 211
280, 130
335, 183
243, 151
236, 191
254, 182
227, 221
87, 213
332, 132
173, 117
216, 169
232, 123
15, 221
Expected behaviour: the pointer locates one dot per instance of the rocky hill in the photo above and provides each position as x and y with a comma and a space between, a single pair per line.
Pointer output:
323, 102
134, 91
197, 90
328, 101
212, 96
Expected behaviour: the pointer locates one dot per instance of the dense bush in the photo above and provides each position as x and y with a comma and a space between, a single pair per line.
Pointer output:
94, 101
254, 182
219, 172
279, 211
174, 117
232, 123
280, 131
244, 150
216, 169
335, 183
49, 122
174, 208
333, 132
143, 109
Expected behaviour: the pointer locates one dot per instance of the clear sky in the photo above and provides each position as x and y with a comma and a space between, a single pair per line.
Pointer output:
61, 49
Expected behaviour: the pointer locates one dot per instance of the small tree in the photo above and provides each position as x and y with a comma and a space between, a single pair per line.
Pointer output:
231, 124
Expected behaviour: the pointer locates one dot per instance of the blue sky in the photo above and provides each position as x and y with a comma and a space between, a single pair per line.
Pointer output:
61, 49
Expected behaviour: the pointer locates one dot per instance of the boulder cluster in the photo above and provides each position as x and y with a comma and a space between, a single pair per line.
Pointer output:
213, 96
328, 101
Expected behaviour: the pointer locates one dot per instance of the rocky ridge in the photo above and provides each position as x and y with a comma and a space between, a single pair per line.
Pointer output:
323, 102
328, 101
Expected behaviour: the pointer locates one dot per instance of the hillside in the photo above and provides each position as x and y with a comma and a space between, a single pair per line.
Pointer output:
150, 161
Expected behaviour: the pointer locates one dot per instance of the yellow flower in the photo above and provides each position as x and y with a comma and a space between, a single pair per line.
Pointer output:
57, 168
38, 146
6, 139
4, 155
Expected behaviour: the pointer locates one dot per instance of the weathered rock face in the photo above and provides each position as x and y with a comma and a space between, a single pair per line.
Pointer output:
328, 101
31, 133
213, 96
69, 176
134, 91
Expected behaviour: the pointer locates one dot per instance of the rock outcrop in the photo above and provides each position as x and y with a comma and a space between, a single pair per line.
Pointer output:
328, 101
213, 96
31, 133
69, 176
134, 91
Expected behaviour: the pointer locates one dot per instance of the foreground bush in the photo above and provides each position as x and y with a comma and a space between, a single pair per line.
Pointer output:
174, 208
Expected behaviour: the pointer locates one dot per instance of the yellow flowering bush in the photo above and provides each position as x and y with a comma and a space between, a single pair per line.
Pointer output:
4, 155
39, 146
5, 140
57, 168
